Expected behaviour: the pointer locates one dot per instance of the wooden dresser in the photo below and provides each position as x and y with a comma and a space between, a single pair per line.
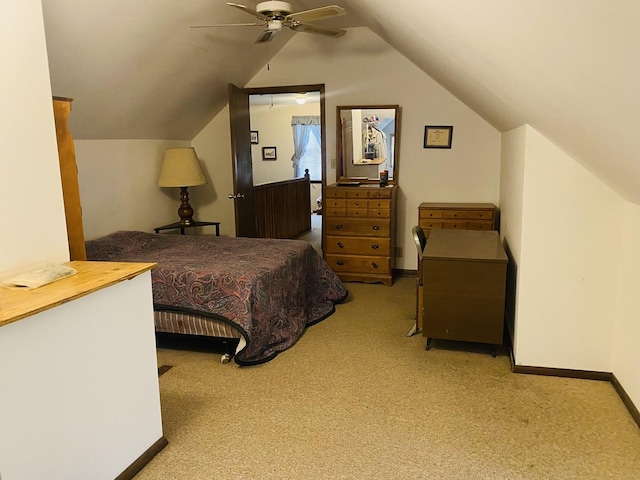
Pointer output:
457, 216
360, 232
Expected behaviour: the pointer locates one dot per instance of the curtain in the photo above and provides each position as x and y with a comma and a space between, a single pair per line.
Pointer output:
303, 126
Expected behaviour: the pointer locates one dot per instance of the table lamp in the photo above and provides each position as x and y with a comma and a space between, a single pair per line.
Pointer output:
181, 168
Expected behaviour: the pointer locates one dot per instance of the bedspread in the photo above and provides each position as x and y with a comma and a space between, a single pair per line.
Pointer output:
270, 289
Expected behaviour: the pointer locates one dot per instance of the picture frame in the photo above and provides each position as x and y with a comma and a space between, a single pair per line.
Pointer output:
269, 153
253, 134
438, 136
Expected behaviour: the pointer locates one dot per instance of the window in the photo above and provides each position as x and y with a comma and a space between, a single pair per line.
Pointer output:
311, 159
307, 145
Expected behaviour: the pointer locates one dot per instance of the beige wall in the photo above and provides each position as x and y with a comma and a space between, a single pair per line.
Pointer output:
33, 224
273, 124
119, 185
363, 69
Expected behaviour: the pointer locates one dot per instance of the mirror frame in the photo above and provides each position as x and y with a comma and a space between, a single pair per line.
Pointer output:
340, 164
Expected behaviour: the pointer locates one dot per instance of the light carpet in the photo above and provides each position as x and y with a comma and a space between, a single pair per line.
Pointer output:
357, 399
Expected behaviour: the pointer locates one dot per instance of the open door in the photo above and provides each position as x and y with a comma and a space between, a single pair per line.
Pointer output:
242, 166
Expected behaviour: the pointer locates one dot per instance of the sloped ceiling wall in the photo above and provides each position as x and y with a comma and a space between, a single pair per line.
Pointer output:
570, 69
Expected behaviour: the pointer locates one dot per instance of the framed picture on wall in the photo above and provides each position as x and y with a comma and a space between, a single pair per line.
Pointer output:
438, 137
269, 153
254, 137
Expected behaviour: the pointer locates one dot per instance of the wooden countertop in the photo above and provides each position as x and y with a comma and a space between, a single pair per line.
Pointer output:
18, 303
469, 245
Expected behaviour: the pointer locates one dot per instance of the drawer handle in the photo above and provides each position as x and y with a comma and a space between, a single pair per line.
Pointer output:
376, 227
340, 262
340, 245
339, 226
375, 246
374, 264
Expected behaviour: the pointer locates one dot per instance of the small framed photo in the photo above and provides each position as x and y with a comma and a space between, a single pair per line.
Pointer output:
254, 137
438, 136
269, 153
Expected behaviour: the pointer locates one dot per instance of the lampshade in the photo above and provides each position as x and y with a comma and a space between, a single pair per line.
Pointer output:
181, 168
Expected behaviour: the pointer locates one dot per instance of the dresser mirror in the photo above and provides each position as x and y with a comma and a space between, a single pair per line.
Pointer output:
367, 142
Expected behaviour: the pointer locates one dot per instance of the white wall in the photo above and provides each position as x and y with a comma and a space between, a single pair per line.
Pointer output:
363, 69
626, 354
511, 192
30, 188
575, 245
119, 186
568, 255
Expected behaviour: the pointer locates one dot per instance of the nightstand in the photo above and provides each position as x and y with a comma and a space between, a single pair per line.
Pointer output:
178, 225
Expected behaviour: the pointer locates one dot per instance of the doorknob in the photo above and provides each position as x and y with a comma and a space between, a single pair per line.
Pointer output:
238, 195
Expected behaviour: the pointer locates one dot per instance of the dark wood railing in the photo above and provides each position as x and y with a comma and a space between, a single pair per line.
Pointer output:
283, 209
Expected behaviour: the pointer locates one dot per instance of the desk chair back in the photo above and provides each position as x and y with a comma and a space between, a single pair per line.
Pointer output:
421, 241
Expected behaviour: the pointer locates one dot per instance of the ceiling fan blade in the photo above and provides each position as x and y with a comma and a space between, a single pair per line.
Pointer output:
229, 25
265, 36
316, 14
249, 10
329, 32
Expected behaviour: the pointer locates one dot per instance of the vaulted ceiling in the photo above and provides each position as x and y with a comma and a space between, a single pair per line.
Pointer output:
570, 69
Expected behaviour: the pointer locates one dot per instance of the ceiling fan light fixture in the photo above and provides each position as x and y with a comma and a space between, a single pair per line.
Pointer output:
275, 9
274, 25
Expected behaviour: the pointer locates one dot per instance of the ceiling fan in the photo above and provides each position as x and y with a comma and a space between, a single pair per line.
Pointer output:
275, 15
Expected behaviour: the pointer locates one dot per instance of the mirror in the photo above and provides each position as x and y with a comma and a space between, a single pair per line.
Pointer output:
367, 142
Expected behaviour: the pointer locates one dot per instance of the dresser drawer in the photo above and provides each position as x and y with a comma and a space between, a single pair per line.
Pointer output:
379, 213
480, 214
374, 227
380, 193
335, 203
429, 225
335, 212
335, 193
454, 224
357, 203
357, 193
359, 264
358, 245
379, 203
479, 225
424, 213
357, 212
454, 214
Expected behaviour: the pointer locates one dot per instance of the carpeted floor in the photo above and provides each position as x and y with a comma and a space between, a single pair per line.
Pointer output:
357, 399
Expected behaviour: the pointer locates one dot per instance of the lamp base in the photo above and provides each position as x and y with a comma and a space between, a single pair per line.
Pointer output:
185, 212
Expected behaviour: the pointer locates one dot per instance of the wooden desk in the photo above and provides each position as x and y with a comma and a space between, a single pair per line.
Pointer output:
464, 281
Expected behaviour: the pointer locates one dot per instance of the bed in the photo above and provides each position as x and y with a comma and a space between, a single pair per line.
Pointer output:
265, 292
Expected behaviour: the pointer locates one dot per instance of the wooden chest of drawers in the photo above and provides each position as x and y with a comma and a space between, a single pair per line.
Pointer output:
359, 232
457, 216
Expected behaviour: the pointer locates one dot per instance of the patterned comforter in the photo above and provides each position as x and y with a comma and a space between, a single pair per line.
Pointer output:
271, 290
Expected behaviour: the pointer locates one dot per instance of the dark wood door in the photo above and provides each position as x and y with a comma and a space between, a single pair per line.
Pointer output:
243, 194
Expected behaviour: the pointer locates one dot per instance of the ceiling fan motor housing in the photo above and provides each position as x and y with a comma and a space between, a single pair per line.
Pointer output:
276, 10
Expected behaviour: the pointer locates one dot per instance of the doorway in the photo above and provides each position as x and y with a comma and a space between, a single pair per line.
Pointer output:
252, 166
